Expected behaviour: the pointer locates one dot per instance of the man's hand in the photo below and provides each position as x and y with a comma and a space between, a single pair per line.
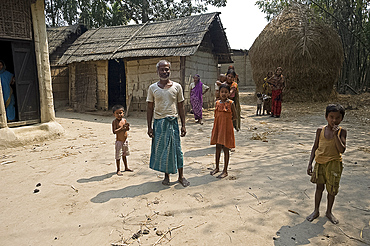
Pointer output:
183, 131
309, 169
150, 132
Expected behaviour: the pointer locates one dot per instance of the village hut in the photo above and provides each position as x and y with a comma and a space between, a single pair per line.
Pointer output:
59, 40
23, 48
116, 65
309, 51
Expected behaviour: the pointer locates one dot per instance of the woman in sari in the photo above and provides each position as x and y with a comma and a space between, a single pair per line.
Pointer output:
197, 90
7, 79
277, 84
234, 95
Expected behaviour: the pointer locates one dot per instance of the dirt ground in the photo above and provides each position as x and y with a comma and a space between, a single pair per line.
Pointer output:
264, 201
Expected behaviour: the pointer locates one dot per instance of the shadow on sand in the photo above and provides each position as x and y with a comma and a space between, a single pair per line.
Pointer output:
149, 187
96, 178
200, 152
299, 234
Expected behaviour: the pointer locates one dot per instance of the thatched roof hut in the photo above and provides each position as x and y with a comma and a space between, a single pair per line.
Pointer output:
309, 51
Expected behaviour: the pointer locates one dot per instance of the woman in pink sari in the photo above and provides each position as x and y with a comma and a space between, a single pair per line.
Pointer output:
197, 90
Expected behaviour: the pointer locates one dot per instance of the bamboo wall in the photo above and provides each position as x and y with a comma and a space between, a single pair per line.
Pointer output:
60, 85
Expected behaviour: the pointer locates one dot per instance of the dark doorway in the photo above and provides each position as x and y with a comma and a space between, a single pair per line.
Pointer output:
116, 83
20, 60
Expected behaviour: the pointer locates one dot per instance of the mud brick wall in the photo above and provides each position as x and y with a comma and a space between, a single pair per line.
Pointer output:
140, 74
204, 64
242, 67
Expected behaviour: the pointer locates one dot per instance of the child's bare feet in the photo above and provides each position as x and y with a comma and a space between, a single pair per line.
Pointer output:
222, 175
119, 173
166, 181
313, 216
214, 171
128, 170
184, 182
332, 219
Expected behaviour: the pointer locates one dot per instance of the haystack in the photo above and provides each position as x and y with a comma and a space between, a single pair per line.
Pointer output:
309, 51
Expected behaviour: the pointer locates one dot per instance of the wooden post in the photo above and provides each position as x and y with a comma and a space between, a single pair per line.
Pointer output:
42, 61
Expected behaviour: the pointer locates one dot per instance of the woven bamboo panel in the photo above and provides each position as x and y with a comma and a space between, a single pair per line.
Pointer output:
15, 19
85, 88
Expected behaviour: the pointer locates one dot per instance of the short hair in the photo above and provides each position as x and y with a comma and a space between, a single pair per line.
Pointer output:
118, 106
225, 86
163, 62
335, 108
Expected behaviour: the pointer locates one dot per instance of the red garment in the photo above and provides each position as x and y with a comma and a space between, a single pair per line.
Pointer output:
276, 102
223, 130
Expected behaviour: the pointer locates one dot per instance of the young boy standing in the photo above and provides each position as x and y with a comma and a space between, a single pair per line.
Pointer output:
120, 127
330, 143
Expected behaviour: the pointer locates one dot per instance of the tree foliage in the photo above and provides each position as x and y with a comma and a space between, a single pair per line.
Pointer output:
351, 20
96, 13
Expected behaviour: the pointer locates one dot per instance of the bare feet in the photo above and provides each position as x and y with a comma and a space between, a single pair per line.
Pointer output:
184, 182
128, 170
119, 173
222, 175
214, 171
166, 181
332, 219
313, 216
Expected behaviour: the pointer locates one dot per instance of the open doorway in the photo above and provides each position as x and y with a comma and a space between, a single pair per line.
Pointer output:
20, 60
116, 83
9, 89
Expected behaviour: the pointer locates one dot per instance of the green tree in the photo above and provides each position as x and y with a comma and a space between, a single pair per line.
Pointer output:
96, 13
351, 20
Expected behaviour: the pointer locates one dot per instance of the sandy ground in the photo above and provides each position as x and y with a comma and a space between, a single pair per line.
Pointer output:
264, 201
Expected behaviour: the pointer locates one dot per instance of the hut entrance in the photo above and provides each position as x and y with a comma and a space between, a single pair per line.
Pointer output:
19, 58
116, 83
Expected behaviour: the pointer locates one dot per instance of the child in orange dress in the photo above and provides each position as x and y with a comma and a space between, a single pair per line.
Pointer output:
223, 130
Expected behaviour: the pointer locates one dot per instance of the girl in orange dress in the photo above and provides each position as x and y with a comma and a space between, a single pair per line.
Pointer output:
223, 130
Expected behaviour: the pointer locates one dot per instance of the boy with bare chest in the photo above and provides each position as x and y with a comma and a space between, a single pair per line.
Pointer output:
120, 127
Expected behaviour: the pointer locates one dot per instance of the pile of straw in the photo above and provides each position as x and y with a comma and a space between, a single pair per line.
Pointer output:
309, 51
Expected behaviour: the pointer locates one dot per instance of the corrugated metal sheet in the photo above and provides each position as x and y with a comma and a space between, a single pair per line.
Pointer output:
178, 37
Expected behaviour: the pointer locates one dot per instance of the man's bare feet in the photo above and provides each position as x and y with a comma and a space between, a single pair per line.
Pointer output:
166, 181
332, 219
184, 182
128, 170
119, 173
214, 171
222, 175
313, 216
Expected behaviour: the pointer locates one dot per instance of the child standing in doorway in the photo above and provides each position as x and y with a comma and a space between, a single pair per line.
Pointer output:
120, 127
223, 131
330, 143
